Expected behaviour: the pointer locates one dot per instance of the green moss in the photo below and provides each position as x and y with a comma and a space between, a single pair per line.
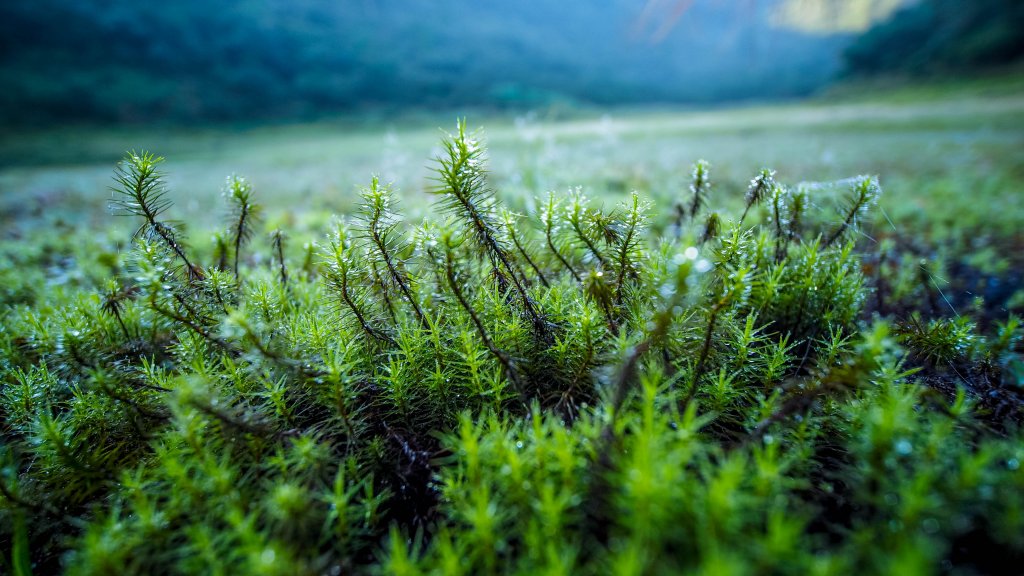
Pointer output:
567, 391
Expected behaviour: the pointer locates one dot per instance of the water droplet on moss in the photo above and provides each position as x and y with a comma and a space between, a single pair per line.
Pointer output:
904, 447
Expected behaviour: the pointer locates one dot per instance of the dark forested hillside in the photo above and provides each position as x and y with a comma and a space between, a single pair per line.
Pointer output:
240, 59
936, 36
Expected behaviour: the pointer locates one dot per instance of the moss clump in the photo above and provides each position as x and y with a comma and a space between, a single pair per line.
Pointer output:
566, 392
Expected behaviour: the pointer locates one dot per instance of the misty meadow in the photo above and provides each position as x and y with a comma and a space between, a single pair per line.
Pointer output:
627, 287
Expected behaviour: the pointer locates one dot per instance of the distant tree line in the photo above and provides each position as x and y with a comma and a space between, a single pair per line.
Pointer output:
194, 60
936, 36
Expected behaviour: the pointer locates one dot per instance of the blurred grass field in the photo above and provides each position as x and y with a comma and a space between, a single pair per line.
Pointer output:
950, 158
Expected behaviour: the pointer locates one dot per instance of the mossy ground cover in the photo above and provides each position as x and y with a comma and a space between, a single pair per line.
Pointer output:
715, 374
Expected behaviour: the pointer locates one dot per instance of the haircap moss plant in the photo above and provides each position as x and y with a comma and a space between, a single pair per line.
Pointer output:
760, 187
561, 392
700, 187
862, 196
464, 194
510, 220
379, 227
140, 191
550, 220
277, 238
243, 216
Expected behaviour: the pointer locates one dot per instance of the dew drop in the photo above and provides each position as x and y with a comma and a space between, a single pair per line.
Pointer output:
904, 447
